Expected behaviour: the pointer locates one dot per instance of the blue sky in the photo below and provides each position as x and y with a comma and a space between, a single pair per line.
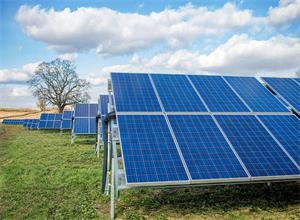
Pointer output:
210, 37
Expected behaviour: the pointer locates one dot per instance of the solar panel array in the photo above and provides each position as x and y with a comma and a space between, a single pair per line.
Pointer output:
85, 119
180, 129
287, 88
32, 123
13, 121
67, 119
50, 121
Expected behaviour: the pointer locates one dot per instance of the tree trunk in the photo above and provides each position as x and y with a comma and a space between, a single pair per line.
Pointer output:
60, 109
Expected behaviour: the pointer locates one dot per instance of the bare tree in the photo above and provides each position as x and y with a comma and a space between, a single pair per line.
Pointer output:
57, 83
41, 104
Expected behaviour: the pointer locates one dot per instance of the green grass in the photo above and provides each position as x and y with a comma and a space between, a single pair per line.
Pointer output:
43, 177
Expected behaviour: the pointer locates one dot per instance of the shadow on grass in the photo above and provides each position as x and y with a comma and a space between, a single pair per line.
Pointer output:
213, 199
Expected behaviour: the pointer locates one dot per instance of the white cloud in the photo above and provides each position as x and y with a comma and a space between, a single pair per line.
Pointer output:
286, 11
68, 56
112, 32
20, 91
17, 75
240, 55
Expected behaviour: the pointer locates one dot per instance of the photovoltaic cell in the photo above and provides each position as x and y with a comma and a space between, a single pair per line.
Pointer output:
286, 129
205, 150
13, 121
134, 93
257, 149
218, 96
287, 88
149, 152
177, 94
297, 80
258, 98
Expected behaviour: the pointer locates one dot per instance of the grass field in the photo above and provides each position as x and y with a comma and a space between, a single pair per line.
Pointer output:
43, 176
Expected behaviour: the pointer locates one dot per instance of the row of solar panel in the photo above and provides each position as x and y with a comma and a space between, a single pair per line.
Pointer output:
167, 148
13, 121
193, 93
213, 147
56, 121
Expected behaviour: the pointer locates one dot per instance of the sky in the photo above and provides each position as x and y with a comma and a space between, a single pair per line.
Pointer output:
245, 37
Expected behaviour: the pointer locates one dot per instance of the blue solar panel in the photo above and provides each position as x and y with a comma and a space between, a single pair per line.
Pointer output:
67, 115
81, 126
34, 124
149, 152
13, 121
259, 152
297, 80
50, 121
205, 150
177, 94
42, 124
287, 88
82, 110
218, 96
85, 119
103, 104
286, 129
66, 124
134, 92
67, 120
51, 117
44, 116
258, 98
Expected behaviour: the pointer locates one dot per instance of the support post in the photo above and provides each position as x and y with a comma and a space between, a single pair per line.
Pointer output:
112, 194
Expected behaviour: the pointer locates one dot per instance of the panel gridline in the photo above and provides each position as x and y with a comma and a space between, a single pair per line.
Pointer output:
205, 150
177, 94
287, 88
218, 96
149, 152
258, 98
134, 93
259, 152
286, 129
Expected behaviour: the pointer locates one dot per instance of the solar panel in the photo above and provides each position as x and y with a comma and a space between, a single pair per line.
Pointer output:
13, 121
134, 93
85, 118
67, 120
34, 124
50, 121
149, 152
258, 98
177, 94
287, 88
205, 150
260, 153
82, 110
286, 129
297, 80
103, 110
218, 96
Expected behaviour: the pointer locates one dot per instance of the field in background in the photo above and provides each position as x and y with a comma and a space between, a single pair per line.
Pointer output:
22, 113
42, 176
